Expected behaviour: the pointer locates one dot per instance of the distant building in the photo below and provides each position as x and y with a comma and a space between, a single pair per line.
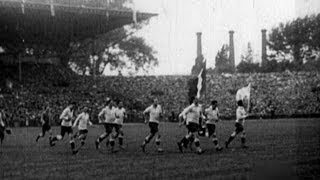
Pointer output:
306, 7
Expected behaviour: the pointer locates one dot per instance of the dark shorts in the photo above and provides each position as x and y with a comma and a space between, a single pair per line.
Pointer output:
211, 129
66, 129
2, 129
117, 127
153, 127
108, 127
83, 133
192, 127
239, 127
45, 127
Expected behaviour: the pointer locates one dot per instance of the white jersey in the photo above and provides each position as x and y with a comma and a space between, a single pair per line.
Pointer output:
83, 120
241, 114
154, 113
120, 113
108, 114
66, 117
212, 115
192, 113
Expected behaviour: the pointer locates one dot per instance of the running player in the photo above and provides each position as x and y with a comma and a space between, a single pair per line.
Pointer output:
120, 114
46, 124
241, 115
212, 114
66, 126
83, 121
192, 116
106, 117
182, 121
155, 113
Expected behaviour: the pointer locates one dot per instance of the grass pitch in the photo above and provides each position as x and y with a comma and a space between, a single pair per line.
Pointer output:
279, 148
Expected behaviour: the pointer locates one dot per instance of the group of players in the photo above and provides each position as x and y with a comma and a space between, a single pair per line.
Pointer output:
198, 122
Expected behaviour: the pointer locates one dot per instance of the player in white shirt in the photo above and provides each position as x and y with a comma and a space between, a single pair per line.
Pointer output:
120, 114
212, 117
106, 117
241, 115
182, 121
83, 120
66, 126
192, 116
155, 113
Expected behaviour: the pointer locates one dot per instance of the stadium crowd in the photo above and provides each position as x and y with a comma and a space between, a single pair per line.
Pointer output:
272, 94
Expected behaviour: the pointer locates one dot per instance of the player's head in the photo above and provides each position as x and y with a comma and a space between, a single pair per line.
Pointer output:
120, 104
240, 103
108, 101
195, 100
111, 103
86, 109
115, 103
155, 101
72, 105
214, 103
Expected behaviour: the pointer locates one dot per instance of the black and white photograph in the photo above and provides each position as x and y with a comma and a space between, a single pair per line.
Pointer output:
159, 89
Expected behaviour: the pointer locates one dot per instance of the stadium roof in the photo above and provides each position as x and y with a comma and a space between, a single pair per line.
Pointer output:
59, 22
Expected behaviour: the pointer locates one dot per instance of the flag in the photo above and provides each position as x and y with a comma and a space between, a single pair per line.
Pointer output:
201, 84
243, 93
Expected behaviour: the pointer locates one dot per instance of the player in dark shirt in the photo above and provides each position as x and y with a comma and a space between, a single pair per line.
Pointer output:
46, 124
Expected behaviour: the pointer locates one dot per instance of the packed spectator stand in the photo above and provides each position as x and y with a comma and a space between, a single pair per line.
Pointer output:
287, 94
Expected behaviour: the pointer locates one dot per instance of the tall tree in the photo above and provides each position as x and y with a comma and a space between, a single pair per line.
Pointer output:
297, 40
223, 64
196, 68
247, 64
120, 49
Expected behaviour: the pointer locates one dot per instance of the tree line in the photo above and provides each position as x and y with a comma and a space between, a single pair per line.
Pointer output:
294, 46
